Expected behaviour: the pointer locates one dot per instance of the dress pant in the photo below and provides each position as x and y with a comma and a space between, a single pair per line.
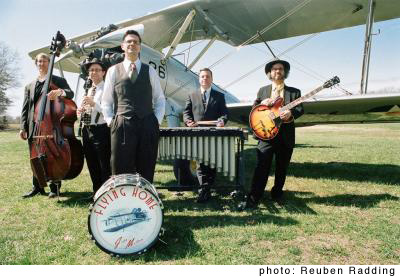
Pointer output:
206, 176
134, 145
183, 173
97, 150
265, 153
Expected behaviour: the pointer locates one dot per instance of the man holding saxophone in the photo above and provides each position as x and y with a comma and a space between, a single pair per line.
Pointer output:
95, 132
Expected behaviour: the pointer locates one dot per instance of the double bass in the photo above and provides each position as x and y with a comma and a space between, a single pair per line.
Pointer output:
56, 154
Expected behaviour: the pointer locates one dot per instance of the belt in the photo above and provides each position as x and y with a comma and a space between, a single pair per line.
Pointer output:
95, 126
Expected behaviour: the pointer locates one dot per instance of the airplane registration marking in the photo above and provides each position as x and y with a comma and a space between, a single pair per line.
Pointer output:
161, 69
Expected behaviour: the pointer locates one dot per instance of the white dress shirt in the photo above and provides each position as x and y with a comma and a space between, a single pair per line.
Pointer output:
97, 107
107, 103
277, 90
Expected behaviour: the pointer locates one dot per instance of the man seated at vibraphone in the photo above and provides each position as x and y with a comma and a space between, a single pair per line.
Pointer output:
203, 105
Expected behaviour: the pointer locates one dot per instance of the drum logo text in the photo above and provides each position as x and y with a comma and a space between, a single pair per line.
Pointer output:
115, 194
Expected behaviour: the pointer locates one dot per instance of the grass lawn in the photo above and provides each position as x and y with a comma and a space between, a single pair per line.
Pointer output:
342, 207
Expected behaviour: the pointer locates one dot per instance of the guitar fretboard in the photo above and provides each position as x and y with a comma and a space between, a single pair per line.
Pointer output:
301, 99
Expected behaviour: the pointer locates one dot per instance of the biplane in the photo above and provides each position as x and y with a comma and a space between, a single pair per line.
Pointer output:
121, 220
239, 24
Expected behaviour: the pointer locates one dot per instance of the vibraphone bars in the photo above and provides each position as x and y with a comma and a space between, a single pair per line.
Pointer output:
217, 147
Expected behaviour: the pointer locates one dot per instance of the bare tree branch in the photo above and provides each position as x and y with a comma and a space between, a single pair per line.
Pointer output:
9, 74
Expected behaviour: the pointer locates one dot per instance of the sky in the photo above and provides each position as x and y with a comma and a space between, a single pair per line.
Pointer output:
28, 25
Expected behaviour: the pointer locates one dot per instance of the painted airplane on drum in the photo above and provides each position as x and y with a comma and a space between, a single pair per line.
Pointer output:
237, 23
121, 220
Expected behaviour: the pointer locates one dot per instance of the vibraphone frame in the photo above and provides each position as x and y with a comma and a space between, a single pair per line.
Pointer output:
216, 138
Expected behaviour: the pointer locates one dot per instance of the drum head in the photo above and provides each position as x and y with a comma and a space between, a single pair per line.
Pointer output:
125, 220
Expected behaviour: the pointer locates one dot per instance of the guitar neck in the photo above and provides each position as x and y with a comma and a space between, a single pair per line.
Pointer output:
301, 99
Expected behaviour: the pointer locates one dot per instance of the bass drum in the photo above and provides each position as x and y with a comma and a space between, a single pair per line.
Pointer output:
126, 216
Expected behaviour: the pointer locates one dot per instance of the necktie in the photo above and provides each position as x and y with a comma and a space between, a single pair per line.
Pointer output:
277, 91
204, 99
133, 72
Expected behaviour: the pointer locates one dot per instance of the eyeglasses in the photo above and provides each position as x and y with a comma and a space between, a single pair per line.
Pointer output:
135, 42
277, 69
95, 70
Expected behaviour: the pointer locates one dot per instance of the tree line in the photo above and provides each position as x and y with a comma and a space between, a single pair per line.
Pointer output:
9, 78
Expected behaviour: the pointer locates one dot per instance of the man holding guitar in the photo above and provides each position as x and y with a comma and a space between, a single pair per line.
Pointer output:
280, 144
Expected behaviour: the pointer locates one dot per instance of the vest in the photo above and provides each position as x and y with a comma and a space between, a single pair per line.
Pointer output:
133, 99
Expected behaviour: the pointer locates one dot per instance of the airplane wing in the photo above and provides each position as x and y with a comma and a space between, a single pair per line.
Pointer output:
236, 21
371, 108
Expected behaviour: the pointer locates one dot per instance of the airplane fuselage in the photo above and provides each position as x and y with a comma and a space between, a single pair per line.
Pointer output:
176, 80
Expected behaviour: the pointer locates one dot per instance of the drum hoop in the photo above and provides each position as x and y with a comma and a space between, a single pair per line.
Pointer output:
140, 185
143, 250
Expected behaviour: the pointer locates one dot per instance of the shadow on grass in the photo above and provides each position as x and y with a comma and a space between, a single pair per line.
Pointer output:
353, 200
358, 172
178, 242
304, 145
179, 238
295, 205
73, 199
385, 174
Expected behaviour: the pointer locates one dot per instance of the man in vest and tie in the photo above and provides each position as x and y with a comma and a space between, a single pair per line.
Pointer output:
133, 106
282, 145
95, 132
206, 104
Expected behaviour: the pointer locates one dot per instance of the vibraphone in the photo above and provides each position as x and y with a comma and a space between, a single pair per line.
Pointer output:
217, 147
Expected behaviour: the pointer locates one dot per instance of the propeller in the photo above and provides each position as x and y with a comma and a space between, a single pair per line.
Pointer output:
109, 40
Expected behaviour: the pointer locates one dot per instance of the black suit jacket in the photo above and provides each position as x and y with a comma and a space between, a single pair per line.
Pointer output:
287, 130
215, 109
28, 106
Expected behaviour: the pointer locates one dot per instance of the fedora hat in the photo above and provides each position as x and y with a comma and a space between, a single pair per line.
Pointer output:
269, 65
88, 63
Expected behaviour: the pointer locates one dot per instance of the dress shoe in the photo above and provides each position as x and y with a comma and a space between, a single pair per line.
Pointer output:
277, 196
204, 196
34, 192
53, 189
248, 204
52, 194
278, 199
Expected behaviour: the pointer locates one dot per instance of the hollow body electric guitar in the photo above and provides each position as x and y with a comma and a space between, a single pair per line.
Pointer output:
265, 120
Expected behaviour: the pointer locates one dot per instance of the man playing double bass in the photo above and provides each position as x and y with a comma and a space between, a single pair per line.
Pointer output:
280, 146
32, 94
